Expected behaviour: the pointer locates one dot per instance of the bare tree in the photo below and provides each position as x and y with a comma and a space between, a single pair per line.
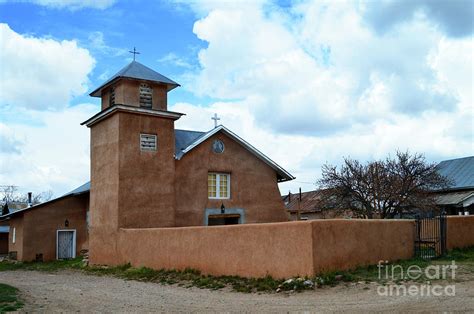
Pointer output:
383, 188
9, 194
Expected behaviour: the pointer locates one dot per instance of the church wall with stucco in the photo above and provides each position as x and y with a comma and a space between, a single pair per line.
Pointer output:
104, 194
253, 184
146, 178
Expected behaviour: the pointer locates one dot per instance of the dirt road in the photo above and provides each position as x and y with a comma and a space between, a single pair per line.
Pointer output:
71, 291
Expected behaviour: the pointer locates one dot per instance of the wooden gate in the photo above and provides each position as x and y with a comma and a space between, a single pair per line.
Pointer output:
430, 238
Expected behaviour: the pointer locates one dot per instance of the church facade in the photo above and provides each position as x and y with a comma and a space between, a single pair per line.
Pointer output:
146, 174
152, 175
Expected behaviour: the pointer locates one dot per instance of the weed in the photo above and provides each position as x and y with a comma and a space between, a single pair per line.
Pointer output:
192, 277
9, 301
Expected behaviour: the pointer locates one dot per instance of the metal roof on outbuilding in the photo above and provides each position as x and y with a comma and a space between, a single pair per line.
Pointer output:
453, 198
136, 70
460, 171
86, 187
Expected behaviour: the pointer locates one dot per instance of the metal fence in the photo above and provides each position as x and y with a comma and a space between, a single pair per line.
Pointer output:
430, 238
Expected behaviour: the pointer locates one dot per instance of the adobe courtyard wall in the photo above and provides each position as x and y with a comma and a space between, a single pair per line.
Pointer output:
345, 244
460, 232
282, 250
253, 184
255, 250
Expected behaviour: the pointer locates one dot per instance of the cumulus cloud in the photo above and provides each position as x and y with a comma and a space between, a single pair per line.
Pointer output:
54, 151
313, 83
455, 18
9, 142
41, 73
310, 72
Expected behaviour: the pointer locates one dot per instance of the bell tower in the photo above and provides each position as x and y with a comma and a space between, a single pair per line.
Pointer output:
132, 157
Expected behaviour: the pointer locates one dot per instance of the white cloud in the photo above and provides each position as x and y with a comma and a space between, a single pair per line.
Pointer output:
314, 83
41, 73
72, 4
97, 43
54, 152
172, 59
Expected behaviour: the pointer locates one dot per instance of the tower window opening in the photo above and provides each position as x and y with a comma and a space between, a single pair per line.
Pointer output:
146, 93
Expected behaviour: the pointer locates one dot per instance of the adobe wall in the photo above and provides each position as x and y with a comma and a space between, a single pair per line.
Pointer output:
281, 250
278, 249
253, 184
146, 178
40, 226
345, 244
460, 232
16, 223
104, 194
127, 92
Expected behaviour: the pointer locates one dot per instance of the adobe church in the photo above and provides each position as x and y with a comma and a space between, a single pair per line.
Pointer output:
147, 174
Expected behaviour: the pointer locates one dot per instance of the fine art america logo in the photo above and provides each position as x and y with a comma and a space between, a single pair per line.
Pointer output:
393, 273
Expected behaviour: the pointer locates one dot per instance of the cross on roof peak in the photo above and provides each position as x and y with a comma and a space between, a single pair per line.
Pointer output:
135, 52
215, 118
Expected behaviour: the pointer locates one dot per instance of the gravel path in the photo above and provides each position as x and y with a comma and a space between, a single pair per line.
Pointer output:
71, 291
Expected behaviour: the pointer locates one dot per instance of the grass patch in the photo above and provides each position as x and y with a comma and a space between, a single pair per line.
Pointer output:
194, 278
9, 300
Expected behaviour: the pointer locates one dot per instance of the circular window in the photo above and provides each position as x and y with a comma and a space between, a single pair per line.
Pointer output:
218, 147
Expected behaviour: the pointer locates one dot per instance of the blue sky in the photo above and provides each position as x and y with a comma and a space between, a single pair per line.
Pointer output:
307, 82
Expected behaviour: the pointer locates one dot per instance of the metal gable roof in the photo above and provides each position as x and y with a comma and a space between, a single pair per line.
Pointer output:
460, 171
284, 175
136, 70
453, 198
183, 139
86, 187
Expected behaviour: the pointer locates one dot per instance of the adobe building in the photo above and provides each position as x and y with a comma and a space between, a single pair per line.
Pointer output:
56, 229
147, 174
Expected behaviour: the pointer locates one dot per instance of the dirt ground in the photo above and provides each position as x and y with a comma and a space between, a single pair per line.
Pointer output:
73, 291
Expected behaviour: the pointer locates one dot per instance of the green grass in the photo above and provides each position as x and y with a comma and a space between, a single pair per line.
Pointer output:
194, 278
9, 300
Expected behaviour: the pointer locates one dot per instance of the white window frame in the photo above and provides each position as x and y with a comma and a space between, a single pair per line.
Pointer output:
218, 186
73, 241
14, 235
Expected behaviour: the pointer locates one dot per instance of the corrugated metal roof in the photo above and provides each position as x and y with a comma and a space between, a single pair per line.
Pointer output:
453, 198
460, 171
136, 70
310, 201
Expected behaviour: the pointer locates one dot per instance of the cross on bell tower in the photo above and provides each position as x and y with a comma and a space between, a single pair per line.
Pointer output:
135, 52
215, 118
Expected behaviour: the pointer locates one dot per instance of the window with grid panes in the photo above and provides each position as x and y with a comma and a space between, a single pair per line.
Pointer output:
218, 185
